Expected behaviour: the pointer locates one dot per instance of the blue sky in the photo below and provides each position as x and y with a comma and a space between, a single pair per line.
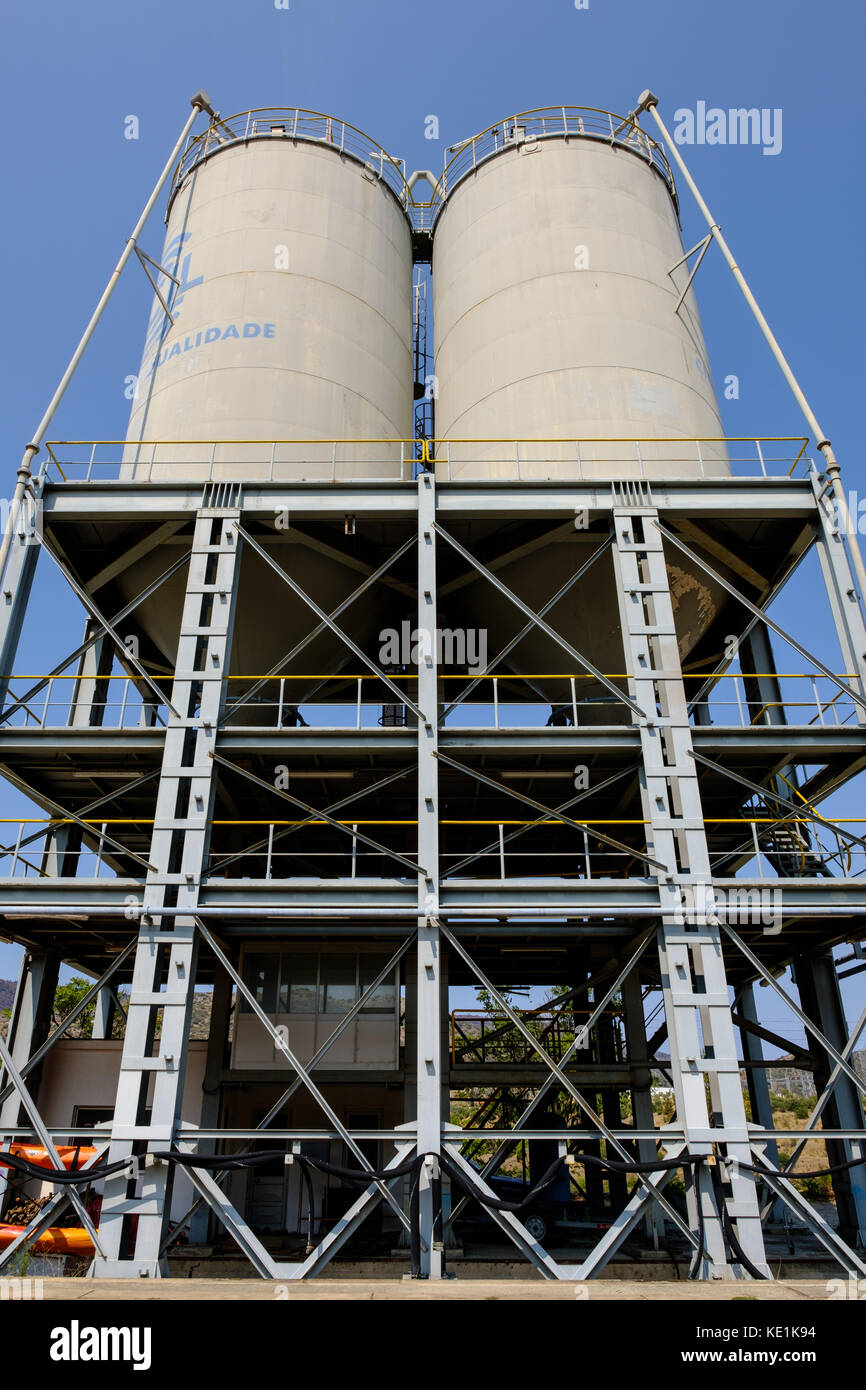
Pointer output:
73, 73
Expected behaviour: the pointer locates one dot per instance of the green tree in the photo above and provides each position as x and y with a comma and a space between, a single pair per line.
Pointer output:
67, 997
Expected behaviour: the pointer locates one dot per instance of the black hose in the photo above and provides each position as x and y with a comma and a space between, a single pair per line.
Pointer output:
701, 1251
728, 1228
57, 1175
499, 1203
816, 1173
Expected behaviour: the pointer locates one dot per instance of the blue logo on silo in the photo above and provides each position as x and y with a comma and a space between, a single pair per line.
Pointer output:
160, 324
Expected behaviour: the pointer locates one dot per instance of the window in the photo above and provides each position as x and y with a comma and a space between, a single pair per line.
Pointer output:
339, 983
298, 985
384, 1001
330, 982
260, 978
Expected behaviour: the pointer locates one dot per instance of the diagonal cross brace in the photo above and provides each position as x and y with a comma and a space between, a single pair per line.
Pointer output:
44, 1218
287, 830
313, 814
803, 1017
539, 622
561, 1077
60, 813
551, 603
539, 806
45, 1138
533, 825
824, 1097
800, 811
97, 637
231, 1219
317, 631
778, 1183
510, 1223
282, 1046
71, 1017
314, 1062
345, 1228
320, 613
108, 626
628, 1218
759, 613
85, 811
494, 1162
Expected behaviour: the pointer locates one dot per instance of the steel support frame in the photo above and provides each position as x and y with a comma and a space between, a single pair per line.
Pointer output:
429, 1092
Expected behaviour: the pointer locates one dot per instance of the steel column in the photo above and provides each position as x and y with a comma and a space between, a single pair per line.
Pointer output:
429, 978
822, 1001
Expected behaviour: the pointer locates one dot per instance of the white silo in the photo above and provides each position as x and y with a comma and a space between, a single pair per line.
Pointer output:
563, 352
287, 353
292, 318
555, 313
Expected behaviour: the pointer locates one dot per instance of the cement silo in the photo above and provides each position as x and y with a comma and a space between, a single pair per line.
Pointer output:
280, 350
555, 313
292, 315
562, 351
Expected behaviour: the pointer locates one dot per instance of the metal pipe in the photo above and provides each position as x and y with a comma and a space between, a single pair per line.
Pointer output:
200, 102
487, 911
649, 102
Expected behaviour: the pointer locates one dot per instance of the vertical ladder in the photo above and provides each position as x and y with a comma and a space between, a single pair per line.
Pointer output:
697, 1007
430, 967
163, 984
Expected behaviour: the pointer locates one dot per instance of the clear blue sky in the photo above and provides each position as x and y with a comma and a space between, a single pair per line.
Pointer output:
73, 73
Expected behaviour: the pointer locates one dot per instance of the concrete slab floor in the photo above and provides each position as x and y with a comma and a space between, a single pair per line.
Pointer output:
415, 1290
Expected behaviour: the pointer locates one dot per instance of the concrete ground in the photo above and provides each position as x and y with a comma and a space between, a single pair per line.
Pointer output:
423, 1291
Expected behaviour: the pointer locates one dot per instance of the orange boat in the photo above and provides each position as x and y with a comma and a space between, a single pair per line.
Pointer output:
35, 1153
58, 1240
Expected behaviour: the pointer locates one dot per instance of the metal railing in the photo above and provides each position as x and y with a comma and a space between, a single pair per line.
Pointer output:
602, 458
117, 703
804, 846
522, 131
813, 700
294, 123
30, 849
362, 701
209, 460
527, 129
489, 1036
